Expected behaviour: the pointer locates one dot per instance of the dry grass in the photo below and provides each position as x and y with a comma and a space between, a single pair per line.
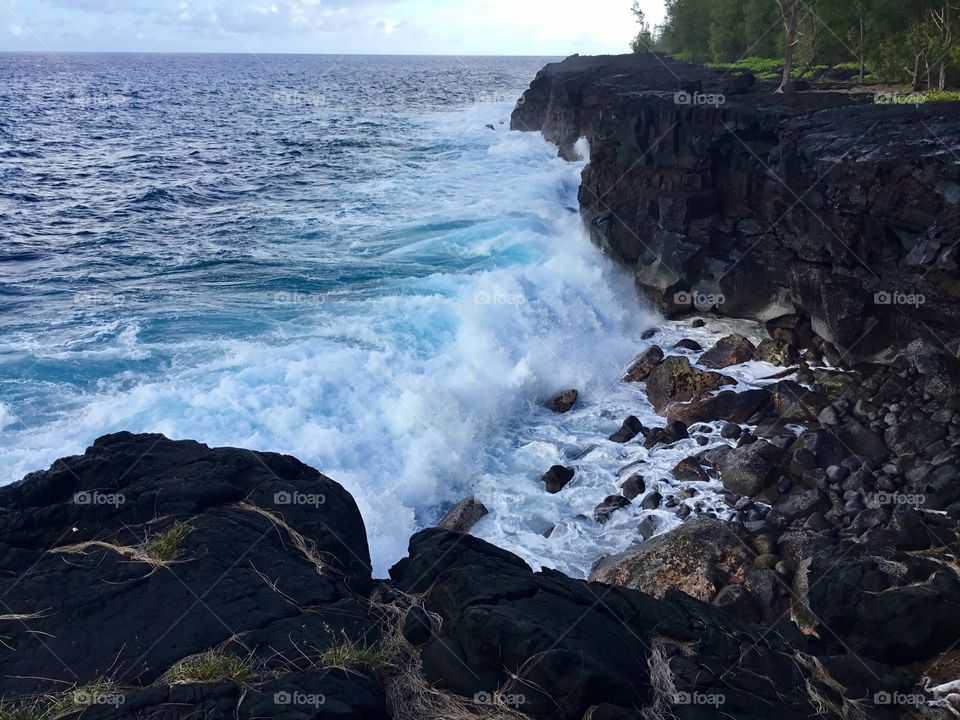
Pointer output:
825, 706
409, 695
303, 545
54, 706
157, 550
210, 666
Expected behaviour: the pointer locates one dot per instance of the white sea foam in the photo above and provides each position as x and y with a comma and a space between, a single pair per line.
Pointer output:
429, 389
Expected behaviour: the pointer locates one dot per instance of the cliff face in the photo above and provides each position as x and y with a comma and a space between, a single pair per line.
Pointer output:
821, 204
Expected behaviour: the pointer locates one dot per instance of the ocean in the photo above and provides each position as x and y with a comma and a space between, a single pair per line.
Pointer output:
352, 260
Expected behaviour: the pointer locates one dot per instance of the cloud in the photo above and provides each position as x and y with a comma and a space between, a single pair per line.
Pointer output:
15, 29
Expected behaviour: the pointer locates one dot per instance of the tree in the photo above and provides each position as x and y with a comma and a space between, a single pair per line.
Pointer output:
943, 17
727, 42
644, 41
790, 15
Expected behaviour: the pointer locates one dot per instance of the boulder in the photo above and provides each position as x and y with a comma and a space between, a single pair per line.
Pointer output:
610, 505
556, 478
633, 486
145, 551
644, 364
731, 350
793, 403
776, 352
563, 402
463, 516
630, 428
727, 405
749, 469
675, 380
698, 557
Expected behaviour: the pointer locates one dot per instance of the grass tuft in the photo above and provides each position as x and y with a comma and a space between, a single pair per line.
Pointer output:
210, 666
349, 655
165, 547
52, 707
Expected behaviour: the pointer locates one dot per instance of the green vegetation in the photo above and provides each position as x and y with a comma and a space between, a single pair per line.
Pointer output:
51, 707
349, 655
211, 666
916, 42
165, 547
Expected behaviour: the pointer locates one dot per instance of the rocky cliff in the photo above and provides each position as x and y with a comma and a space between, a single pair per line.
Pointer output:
822, 205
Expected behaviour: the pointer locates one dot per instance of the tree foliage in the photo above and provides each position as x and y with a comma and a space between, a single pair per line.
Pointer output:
910, 41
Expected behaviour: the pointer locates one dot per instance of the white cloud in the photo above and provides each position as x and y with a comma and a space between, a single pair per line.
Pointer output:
15, 29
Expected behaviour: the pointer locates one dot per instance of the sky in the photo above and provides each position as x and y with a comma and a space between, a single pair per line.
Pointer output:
427, 27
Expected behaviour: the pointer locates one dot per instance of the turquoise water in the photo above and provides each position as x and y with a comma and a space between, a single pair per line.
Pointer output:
334, 258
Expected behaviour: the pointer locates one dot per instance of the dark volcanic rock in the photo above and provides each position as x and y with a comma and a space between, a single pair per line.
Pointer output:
749, 469
817, 207
731, 350
890, 606
463, 516
675, 380
556, 478
569, 646
563, 401
644, 364
610, 505
630, 428
699, 558
726, 405
100, 602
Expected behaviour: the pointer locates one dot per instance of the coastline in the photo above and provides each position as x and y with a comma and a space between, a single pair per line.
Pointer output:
817, 580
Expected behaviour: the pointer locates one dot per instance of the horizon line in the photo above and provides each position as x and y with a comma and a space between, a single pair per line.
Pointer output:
270, 52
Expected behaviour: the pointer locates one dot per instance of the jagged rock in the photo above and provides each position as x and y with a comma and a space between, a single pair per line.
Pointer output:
794, 403
776, 352
698, 557
736, 599
890, 606
590, 644
677, 212
556, 478
675, 380
564, 401
731, 350
644, 364
463, 516
630, 428
727, 405
610, 505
